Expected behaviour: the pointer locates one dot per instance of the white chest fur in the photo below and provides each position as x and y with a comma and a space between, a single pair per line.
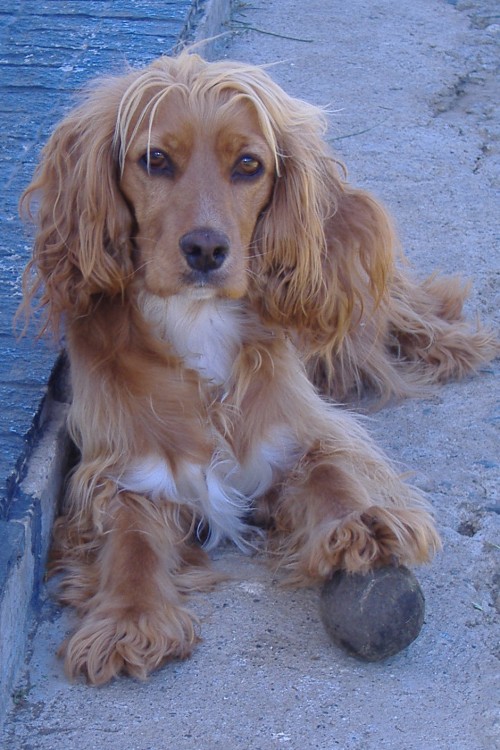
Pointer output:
205, 333
220, 493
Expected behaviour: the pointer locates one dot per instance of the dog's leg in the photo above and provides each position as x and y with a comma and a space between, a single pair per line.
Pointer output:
426, 319
345, 507
134, 618
336, 503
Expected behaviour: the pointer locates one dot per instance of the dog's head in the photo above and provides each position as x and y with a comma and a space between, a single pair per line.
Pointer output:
185, 176
197, 168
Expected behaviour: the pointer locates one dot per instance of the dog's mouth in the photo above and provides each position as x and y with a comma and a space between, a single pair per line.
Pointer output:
207, 281
202, 285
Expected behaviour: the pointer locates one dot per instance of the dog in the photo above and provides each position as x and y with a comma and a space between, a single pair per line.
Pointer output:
221, 288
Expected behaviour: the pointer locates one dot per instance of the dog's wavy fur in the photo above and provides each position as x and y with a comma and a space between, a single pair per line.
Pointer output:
195, 400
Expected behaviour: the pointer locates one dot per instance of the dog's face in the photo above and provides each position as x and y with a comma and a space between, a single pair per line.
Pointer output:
196, 180
186, 177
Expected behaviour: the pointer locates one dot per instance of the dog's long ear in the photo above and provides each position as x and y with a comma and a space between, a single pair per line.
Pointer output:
82, 245
323, 250
359, 262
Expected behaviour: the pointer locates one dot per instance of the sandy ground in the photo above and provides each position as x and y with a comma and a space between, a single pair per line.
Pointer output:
413, 88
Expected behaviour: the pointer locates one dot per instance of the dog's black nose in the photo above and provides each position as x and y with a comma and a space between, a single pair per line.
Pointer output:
205, 249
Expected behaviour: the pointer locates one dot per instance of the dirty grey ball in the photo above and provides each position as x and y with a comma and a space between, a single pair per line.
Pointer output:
373, 616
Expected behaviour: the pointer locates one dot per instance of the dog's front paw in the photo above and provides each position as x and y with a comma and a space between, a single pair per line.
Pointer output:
109, 643
375, 537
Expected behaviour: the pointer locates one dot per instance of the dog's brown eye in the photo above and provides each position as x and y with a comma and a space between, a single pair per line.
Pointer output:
247, 166
156, 161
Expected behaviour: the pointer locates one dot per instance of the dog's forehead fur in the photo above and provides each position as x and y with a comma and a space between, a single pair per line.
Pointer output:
178, 123
207, 90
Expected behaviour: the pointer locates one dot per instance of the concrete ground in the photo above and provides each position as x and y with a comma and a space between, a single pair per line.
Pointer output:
413, 87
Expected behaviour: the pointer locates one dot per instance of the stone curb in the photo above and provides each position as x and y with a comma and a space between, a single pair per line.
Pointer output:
26, 534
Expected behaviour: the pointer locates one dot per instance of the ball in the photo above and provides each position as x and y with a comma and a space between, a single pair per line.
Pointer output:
373, 616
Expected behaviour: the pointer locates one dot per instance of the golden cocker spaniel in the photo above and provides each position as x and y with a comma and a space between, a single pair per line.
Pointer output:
213, 273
